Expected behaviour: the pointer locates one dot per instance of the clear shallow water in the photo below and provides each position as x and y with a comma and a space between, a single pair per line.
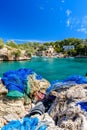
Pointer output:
49, 68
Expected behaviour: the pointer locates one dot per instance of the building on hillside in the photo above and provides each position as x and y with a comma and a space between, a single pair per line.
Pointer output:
67, 48
50, 51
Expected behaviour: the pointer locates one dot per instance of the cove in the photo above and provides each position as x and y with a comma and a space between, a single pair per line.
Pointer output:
49, 68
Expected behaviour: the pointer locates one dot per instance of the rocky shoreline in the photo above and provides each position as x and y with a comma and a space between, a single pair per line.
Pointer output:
13, 54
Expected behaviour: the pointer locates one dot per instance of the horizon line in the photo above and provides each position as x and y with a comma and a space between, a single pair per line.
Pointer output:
37, 41
27, 40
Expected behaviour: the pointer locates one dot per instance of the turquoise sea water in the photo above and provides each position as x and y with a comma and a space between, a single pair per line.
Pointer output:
49, 68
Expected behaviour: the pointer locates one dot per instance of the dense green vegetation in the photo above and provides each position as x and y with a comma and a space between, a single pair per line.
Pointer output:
30, 47
80, 46
12, 44
16, 53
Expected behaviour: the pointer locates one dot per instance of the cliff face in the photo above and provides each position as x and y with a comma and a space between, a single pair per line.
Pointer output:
3, 54
11, 54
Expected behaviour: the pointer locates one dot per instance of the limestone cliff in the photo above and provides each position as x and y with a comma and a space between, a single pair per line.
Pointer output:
10, 54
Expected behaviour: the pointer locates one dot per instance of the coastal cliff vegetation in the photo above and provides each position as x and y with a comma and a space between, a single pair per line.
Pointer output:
78, 46
67, 47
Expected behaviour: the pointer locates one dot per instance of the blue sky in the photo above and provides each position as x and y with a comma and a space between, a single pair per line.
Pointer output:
42, 20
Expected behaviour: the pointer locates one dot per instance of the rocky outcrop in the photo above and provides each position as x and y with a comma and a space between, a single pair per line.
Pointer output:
6, 55
3, 54
50, 54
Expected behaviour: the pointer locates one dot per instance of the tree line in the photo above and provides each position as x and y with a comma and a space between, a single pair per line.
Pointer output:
80, 46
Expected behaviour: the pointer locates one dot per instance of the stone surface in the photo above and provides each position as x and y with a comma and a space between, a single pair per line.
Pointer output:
62, 115
6, 54
64, 111
13, 109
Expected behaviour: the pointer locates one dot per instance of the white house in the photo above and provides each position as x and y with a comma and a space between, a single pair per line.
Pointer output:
66, 48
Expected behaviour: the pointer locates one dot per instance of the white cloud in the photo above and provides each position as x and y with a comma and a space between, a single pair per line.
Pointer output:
68, 12
83, 25
77, 24
84, 21
84, 30
68, 22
